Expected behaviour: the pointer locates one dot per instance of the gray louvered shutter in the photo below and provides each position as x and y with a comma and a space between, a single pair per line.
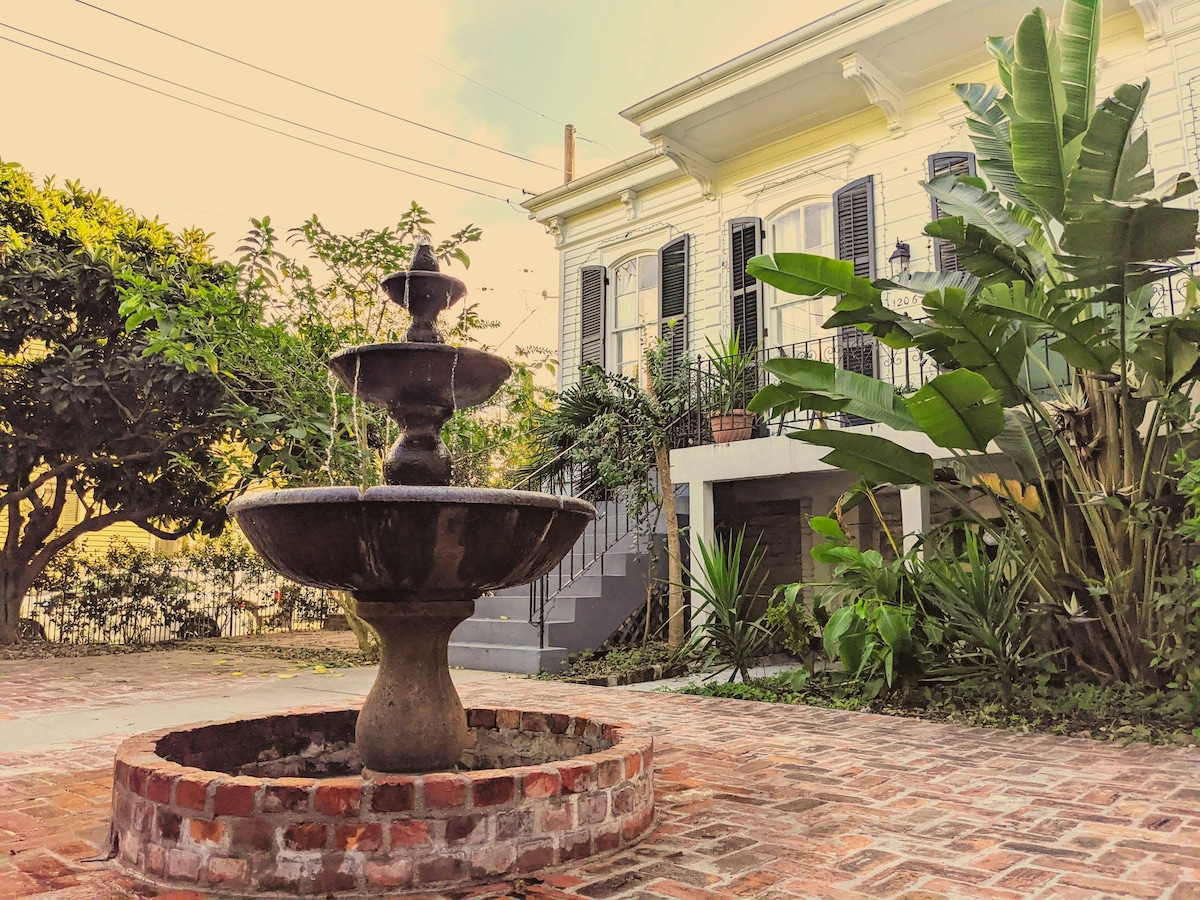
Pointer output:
673, 260
745, 242
854, 239
593, 281
956, 163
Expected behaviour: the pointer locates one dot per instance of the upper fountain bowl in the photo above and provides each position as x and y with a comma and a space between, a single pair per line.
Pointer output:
424, 294
411, 543
392, 374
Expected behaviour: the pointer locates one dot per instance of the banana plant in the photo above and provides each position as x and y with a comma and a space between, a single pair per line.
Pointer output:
1048, 345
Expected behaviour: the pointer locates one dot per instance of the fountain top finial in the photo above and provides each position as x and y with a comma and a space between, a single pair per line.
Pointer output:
424, 259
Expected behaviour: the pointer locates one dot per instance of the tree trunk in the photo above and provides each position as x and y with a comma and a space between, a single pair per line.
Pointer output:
675, 635
13, 585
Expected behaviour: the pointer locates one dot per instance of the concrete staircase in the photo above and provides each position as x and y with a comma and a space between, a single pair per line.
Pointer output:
500, 637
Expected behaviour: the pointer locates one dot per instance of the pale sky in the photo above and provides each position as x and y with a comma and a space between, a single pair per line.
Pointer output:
578, 62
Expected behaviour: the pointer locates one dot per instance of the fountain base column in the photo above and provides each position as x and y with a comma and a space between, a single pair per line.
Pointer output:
412, 720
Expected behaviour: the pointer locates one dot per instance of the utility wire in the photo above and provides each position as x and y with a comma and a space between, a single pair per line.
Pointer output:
312, 87
488, 87
219, 112
260, 112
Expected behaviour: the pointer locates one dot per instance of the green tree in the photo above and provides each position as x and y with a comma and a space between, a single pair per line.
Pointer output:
127, 378
1062, 252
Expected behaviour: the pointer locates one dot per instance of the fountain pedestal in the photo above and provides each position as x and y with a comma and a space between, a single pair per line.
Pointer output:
412, 721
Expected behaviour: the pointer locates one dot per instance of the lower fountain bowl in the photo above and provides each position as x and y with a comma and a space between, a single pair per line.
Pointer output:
408, 541
279, 805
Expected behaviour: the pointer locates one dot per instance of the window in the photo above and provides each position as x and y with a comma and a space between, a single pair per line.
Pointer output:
805, 229
854, 240
956, 163
635, 306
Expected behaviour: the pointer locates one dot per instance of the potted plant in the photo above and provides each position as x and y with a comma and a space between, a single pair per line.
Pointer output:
729, 371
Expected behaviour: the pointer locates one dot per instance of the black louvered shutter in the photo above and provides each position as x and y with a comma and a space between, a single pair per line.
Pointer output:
957, 163
673, 299
854, 238
593, 281
745, 242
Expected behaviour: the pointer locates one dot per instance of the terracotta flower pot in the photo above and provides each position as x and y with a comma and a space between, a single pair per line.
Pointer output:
735, 425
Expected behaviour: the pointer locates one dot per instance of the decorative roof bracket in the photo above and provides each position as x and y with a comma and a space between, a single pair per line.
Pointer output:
879, 89
629, 199
702, 170
556, 227
1151, 14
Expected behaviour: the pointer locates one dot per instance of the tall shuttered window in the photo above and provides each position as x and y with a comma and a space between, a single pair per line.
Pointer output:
593, 283
957, 163
795, 320
635, 305
854, 240
745, 242
673, 300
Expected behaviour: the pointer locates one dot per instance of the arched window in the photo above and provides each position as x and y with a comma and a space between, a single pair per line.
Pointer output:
635, 308
807, 228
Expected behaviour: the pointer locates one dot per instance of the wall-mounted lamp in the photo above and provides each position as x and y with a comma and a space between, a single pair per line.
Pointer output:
898, 261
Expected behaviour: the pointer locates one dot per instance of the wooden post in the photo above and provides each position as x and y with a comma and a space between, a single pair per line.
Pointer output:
569, 154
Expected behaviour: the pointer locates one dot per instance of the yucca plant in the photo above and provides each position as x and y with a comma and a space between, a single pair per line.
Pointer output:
1061, 251
725, 632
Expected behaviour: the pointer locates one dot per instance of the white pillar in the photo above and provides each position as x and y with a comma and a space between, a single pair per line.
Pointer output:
701, 526
914, 513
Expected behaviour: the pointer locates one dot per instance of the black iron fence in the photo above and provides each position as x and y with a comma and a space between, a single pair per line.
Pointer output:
172, 602
717, 400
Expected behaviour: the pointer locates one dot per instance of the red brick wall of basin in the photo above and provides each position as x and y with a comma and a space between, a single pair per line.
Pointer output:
182, 824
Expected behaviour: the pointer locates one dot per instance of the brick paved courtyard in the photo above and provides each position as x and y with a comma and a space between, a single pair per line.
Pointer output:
754, 801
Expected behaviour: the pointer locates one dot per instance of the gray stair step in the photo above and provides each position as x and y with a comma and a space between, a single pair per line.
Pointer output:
477, 630
518, 608
521, 659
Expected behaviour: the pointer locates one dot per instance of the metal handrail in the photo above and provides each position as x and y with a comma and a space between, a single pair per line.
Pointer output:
613, 523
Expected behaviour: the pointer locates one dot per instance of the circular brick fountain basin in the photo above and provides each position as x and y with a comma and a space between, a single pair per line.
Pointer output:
279, 804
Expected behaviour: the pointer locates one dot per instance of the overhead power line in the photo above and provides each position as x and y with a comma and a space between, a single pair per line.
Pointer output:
502, 96
260, 112
312, 87
227, 115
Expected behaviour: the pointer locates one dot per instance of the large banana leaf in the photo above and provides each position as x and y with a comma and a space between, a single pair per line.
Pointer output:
969, 199
807, 275
994, 346
860, 395
1166, 354
980, 253
1103, 151
1134, 175
1030, 446
1037, 115
958, 410
924, 282
876, 459
895, 330
990, 133
1100, 248
1004, 52
1079, 32
1085, 342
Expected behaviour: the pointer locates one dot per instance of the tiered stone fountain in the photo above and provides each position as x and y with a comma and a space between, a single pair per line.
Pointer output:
411, 791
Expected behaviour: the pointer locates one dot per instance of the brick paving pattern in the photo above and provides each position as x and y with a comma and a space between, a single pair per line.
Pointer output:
754, 801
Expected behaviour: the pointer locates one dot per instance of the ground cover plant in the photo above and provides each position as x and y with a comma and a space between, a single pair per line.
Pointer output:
1112, 712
